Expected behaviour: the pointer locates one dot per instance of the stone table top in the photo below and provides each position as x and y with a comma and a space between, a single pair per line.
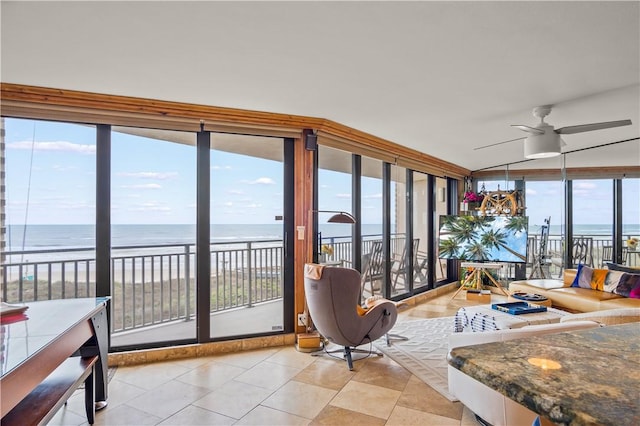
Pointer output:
597, 382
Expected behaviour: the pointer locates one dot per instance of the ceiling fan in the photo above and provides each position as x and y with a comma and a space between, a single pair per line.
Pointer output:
544, 141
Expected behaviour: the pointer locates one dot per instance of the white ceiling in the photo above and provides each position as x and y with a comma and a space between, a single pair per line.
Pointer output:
439, 77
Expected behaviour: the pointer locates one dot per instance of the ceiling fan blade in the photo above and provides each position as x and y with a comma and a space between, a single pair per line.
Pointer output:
528, 129
499, 143
593, 126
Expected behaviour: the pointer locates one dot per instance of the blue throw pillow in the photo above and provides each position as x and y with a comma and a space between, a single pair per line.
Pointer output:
575, 280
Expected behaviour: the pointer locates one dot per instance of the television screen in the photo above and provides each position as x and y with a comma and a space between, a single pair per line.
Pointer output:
483, 238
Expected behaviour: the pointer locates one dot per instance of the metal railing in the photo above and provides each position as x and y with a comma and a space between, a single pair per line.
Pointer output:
156, 284
149, 284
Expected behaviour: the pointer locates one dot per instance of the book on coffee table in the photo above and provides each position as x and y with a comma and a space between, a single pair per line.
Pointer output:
518, 308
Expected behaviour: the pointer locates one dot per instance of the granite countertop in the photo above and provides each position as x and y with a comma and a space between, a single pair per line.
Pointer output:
597, 382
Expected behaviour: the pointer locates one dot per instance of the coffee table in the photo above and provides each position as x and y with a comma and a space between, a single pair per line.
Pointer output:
483, 318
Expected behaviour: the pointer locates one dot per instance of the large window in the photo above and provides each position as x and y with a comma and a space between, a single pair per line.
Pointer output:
421, 213
631, 221
153, 235
334, 194
401, 252
247, 206
50, 210
372, 219
440, 210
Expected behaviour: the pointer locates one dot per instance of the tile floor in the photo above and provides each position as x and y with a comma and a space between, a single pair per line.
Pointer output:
276, 386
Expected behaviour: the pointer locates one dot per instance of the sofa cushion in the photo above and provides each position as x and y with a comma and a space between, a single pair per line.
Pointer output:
620, 302
591, 278
575, 283
539, 284
628, 285
622, 283
579, 299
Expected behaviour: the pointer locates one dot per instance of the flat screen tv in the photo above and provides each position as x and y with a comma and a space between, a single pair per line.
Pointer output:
483, 238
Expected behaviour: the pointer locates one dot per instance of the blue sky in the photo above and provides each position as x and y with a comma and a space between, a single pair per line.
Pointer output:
155, 182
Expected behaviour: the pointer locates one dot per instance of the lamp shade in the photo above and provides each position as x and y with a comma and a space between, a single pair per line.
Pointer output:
545, 145
338, 217
342, 217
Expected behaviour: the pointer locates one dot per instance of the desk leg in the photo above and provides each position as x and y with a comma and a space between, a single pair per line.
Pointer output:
102, 334
98, 344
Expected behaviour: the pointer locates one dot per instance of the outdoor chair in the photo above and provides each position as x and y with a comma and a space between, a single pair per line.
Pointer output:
372, 269
333, 298
582, 250
401, 269
607, 255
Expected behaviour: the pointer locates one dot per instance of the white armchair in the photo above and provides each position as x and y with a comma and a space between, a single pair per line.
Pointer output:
486, 403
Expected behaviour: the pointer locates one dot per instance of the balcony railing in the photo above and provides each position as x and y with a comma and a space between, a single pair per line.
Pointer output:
149, 284
152, 285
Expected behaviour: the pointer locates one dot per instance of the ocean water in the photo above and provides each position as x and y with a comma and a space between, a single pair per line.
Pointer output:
48, 237
45, 237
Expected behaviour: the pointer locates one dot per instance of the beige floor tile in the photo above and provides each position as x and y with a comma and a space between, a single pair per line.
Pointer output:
326, 373
150, 376
126, 416
290, 357
301, 399
196, 416
419, 396
367, 399
337, 416
168, 399
402, 416
268, 375
192, 362
119, 392
246, 359
263, 416
67, 417
234, 399
211, 375
383, 372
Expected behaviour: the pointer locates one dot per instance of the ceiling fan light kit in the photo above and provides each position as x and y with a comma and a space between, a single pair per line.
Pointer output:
545, 145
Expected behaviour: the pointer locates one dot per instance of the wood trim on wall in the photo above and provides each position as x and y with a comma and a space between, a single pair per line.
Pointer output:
75, 106
617, 172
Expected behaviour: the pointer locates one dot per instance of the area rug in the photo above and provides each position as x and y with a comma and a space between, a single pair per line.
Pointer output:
424, 354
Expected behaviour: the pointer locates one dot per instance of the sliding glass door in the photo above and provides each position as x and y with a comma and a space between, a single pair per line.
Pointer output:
247, 209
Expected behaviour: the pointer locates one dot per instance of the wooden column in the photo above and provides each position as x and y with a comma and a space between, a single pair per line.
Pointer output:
303, 249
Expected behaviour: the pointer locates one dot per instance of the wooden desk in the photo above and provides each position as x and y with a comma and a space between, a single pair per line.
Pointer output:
55, 330
597, 380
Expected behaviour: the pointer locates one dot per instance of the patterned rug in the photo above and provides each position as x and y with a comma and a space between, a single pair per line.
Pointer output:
425, 353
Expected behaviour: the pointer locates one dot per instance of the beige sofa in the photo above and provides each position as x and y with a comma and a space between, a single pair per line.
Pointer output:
573, 299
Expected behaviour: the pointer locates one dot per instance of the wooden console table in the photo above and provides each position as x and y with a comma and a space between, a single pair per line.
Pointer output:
54, 330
